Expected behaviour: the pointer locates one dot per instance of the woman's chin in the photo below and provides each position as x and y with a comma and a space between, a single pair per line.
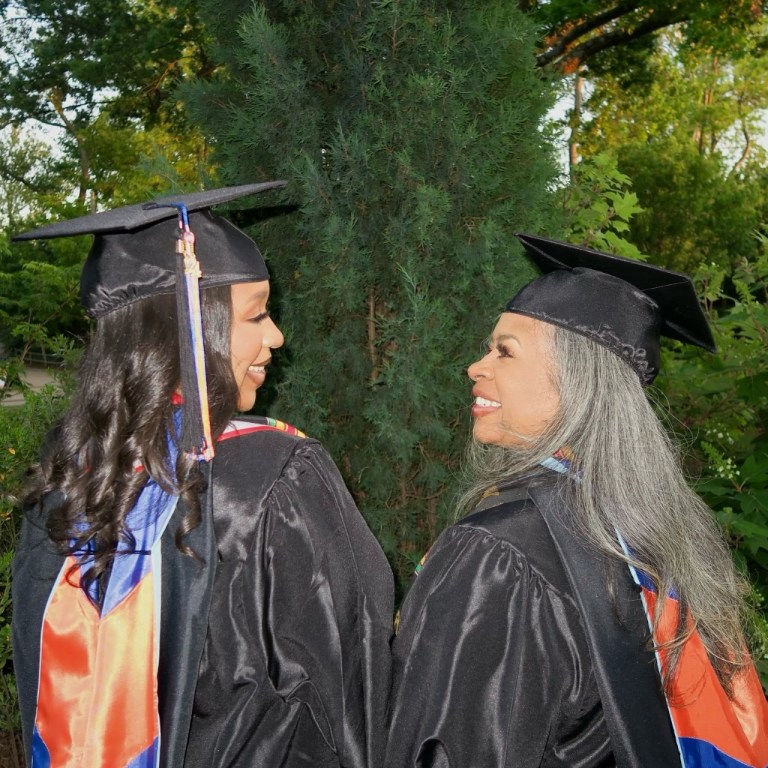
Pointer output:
503, 439
245, 401
486, 437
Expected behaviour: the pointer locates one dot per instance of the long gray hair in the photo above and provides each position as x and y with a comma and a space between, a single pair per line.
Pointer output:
631, 480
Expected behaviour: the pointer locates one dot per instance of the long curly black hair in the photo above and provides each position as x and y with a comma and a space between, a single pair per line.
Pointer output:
115, 433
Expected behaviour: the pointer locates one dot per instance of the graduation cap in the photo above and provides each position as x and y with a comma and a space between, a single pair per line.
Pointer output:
134, 253
623, 304
170, 245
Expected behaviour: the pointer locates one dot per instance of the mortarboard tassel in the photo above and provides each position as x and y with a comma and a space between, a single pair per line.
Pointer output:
195, 436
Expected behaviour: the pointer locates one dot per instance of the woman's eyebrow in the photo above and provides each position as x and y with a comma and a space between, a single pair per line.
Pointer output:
259, 293
257, 297
505, 337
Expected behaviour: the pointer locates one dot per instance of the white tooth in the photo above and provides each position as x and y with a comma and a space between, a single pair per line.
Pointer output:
257, 368
486, 403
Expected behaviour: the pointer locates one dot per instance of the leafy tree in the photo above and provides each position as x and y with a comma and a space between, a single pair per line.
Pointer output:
591, 40
89, 122
716, 100
39, 297
694, 212
410, 134
28, 177
97, 76
689, 140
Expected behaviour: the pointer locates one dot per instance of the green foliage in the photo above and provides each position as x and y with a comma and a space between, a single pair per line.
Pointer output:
693, 209
37, 300
28, 178
127, 55
22, 429
111, 135
689, 138
39, 293
598, 205
709, 99
93, 107
410, 135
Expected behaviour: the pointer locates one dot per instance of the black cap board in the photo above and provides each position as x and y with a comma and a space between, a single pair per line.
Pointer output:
133, 254
623, 304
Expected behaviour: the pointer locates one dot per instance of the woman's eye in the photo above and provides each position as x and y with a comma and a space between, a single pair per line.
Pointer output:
503, 351
258, 318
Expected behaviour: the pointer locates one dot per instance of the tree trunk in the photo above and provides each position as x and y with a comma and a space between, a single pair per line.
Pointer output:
747, 148
57, 100
575, 121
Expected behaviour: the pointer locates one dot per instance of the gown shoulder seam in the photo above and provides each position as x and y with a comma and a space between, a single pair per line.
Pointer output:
482, 535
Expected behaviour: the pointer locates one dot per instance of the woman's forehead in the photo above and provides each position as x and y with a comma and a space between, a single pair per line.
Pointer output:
512, 324
251, 292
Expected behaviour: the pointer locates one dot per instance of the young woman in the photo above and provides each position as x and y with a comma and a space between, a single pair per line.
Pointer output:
525, 640
191, 589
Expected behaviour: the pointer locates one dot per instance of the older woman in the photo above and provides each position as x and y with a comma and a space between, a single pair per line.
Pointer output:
191, 588
525, 640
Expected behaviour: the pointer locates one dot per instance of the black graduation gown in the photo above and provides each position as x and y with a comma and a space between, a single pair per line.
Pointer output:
274, 650
494, 658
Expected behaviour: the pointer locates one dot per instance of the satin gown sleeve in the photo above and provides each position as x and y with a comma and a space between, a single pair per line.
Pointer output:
491, 666
295, 670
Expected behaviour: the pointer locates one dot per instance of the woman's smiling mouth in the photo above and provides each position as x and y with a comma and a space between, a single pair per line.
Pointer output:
482, 406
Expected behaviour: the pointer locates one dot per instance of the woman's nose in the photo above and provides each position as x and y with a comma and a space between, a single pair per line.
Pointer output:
482, 368
477, 370
275, 338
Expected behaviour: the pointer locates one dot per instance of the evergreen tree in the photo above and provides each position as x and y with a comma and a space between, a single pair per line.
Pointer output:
409, 132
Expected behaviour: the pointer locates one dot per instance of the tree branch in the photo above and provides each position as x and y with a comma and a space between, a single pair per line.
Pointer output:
574, 58
559, 44
8, 173
19, 120
747, 148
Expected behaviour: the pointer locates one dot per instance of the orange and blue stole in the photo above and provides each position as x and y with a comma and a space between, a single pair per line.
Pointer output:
712, 730
97, 691
97, 701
